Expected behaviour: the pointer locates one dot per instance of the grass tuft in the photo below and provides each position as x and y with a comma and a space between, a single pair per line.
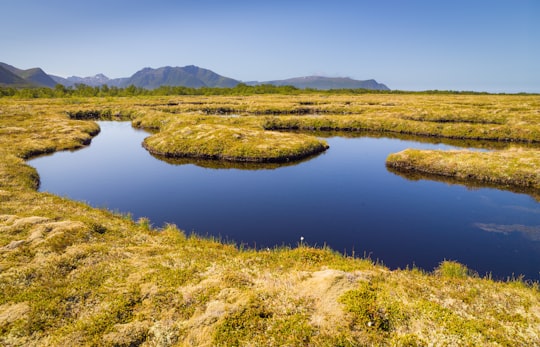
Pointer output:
452, 269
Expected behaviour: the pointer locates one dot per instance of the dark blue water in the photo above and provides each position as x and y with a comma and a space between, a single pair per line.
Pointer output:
344, 198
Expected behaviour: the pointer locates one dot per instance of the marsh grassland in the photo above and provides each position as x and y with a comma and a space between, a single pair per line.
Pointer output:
73, 275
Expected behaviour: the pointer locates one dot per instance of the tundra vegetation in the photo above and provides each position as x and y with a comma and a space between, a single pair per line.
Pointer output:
71, 274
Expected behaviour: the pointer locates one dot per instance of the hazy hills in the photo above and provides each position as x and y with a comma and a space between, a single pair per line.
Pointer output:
187, 76
30, 77
93, 81
8, 78
319, 82
148, 78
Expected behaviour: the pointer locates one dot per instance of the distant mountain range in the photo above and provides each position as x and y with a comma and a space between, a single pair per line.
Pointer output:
319, 82
148, 78
97, 80
187, 76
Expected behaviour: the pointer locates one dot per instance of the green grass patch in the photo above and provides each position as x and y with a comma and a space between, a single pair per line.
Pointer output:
257, 323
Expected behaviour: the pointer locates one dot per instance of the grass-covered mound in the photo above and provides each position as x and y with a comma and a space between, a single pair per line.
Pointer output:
213, 141
513, 167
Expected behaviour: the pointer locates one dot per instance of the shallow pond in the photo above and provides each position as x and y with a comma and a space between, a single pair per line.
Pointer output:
344, 198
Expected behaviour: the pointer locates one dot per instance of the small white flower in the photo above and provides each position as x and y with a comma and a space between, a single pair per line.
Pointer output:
301, 238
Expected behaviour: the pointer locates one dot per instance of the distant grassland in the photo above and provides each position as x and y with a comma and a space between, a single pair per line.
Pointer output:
73, 275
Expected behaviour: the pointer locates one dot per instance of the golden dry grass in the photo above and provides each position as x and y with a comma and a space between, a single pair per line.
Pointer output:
511, 167
73, 275
222, 142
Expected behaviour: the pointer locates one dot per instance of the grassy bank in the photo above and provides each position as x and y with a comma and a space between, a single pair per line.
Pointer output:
75, 275
392, 124
72, 275
513, 167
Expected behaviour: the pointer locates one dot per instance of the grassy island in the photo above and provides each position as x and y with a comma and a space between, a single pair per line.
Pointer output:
211, 141
74, 275
513, 167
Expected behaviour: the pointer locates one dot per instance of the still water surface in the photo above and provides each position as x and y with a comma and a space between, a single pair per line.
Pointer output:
344, 198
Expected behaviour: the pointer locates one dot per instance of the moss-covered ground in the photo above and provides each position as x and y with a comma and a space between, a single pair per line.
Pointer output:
73, 275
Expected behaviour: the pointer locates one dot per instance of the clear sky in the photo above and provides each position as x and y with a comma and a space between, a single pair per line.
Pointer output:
482, 45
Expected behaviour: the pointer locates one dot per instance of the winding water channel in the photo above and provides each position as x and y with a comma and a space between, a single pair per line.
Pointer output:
345, 198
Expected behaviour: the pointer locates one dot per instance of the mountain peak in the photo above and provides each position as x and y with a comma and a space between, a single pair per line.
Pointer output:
187, 76
8, 78
191, 68
93, 81
35, 76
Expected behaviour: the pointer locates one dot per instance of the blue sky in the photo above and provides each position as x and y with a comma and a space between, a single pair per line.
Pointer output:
482, 45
